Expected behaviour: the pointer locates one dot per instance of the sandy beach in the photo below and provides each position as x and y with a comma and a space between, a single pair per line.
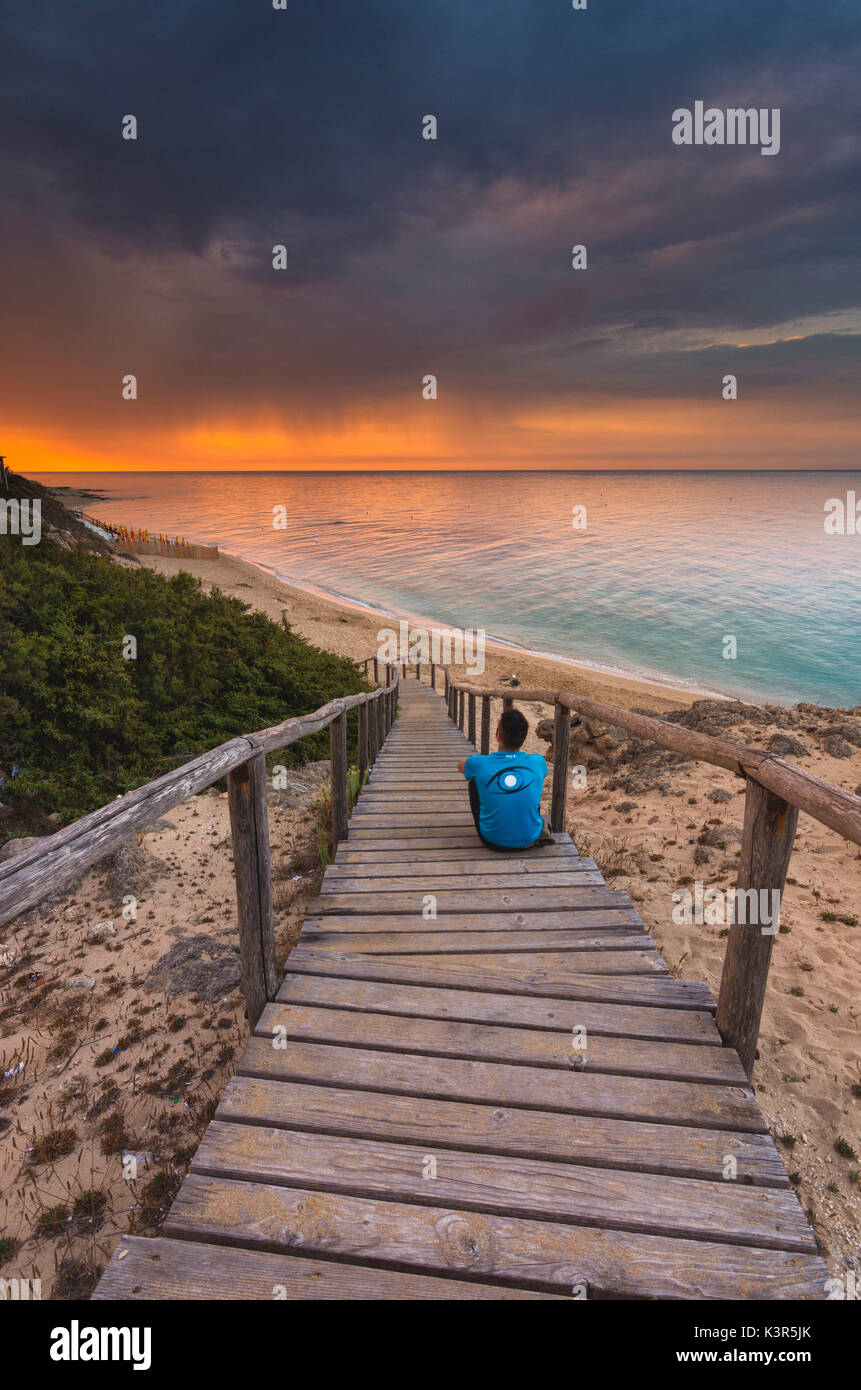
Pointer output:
685, 829
127, 1033
352, 631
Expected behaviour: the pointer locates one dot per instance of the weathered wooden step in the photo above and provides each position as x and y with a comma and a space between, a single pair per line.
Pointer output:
619, 1097
597, 1263
528, 1011
499, 1043
586, 914
162, 1269
640, 1146
554, 976
770, 1218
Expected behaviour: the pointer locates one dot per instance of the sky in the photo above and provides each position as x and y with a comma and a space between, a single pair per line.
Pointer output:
408, 257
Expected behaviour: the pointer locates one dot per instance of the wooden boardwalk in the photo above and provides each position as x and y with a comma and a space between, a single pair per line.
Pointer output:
416, 1116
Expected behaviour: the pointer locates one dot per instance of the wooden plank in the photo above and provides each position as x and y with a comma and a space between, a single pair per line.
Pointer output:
249, 825
559, 1015
637, 961
707, 1106
494, 1043
586, 916
461, 836
570, 877
769, 831
542, 854
379, 805
399, 899
363, 749
338, 796
561, 744
642, 1147
552, 976
378, 942
688, 1207
469, 868
596, 1263
164, 1270
418, 819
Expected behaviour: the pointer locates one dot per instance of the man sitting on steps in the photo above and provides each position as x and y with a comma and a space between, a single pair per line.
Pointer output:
505, 789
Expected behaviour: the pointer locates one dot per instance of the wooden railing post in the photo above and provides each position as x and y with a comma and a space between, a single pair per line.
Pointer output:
769, 830
561, 744
461, 701
471, 721
379, 719
338, 751
507, 703
373, 736
376, 670
433, 676
485, 723
249, 828
363, 743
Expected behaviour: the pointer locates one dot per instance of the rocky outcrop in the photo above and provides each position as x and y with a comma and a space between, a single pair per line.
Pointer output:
592, 744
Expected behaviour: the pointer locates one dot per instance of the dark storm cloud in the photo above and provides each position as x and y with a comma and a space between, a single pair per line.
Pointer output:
258, 127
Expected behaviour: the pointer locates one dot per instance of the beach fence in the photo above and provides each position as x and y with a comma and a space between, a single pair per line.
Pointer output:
141, 541
775, 792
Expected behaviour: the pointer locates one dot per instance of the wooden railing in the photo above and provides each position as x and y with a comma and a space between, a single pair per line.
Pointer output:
59, 859
775, 792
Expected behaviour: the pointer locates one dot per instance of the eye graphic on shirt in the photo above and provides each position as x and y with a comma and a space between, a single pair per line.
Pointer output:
511, 779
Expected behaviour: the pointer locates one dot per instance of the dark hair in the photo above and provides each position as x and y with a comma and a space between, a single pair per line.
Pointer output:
513, 728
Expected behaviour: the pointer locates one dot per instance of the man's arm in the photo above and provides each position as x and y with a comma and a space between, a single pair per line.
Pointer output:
461, 765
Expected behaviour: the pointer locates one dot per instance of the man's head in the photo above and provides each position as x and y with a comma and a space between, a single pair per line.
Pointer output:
511, 730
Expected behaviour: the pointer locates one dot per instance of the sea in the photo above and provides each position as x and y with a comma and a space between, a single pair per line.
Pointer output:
739, 583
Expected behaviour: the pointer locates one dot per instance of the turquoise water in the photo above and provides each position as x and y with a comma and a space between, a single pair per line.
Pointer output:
669, 565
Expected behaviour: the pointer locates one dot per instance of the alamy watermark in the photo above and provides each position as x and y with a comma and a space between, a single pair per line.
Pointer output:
444, 646
843, 517
724, 906
735, 126
21, 517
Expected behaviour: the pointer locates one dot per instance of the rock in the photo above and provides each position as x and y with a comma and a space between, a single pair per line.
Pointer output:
198, 963
837, 747
719, 836
80, 982
15, 847
607, 743
716, 716
787, 747
101, 932
73, 913
130, 869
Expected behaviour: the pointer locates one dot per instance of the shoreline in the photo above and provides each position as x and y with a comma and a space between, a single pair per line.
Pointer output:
670, 692
349, 627
504, 644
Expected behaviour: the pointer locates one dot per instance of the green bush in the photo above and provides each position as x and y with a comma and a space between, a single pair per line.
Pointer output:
79, 724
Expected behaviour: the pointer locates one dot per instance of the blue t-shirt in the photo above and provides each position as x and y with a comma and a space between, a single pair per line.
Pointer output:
509, 790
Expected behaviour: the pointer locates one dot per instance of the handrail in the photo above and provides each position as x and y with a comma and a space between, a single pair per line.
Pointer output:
775, 792
838, 809
60, 858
